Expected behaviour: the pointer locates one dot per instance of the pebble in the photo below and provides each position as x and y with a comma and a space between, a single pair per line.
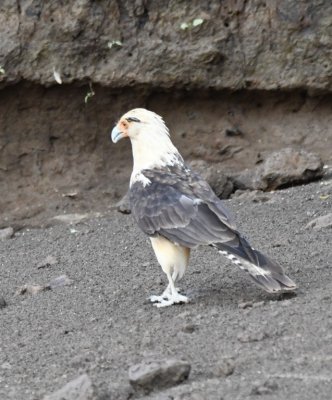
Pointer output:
324, 221
6, 365
189, 328
47, 262
264, 389
224, 367
123, 206
258, 304
77, 389
31, 289
62, 280
71, 218
156, 374
246, 304
3, 303
6, 233
246, 337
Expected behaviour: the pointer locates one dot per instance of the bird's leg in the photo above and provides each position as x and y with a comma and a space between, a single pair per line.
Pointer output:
164, 296
174, 296
167, 293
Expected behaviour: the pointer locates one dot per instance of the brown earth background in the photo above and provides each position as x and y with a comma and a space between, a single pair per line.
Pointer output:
261, 69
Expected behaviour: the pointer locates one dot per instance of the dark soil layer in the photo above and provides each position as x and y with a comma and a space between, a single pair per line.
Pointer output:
53, 145
102, 324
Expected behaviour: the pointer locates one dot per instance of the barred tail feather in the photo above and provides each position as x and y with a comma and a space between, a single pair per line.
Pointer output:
264, 271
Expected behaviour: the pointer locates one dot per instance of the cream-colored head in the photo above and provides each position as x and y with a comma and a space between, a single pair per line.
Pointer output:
151, 144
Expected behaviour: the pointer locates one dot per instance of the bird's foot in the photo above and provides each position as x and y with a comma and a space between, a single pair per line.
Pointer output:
166, 295
160, 301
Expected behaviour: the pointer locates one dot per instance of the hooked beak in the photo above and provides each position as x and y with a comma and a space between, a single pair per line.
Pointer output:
116, 135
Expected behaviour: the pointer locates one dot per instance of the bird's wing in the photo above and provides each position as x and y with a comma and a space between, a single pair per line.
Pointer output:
181, 207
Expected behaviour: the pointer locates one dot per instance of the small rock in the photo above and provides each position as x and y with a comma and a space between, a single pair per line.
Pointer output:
189, 396
59, 281
246, 337
230, 132
78, 389
256, 196
31, 289
214, 175
286, 303
244, 305
123, 206
71, 195
280, 169
266, 388
71, 218
6, 233
189, 328
49, 261
325, 221
6, 365
157, 374
224, 368
258, 304
3, 303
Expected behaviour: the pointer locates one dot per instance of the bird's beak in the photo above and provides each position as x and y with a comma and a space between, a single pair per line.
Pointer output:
116, 134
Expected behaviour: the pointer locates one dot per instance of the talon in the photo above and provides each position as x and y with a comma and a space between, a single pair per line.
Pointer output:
160, 301
155, 298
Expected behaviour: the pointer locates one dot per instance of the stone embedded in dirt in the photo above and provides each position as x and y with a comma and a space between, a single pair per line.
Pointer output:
266, 388
71, 195
224, 367
157, 374
189, 396
258, 304
244, 305
256, 196
6, 233
215, 176
123, 206
189, 328
6, 365
78, 389
3, 303
280, 169
231, 132
70, 218
324, 221
247, 337
59, 281
31, 289
47, 262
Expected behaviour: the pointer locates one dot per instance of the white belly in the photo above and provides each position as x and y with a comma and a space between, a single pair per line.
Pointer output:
172, 258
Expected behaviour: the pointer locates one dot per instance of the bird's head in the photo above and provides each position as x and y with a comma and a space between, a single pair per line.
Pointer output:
138, 123
151, 144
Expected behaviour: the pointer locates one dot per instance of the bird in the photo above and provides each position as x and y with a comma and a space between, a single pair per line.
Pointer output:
178, 210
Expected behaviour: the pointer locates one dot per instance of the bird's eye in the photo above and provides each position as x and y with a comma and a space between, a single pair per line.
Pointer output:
124, 124
132, 119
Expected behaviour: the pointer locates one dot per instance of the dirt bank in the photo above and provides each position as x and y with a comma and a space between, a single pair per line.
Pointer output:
55, 155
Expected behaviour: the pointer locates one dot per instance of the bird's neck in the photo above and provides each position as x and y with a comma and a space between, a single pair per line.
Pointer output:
153, 152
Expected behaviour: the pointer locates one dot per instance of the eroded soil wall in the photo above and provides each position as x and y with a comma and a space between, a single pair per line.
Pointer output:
53, 144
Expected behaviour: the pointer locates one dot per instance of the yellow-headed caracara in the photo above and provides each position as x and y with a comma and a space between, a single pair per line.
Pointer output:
178, 210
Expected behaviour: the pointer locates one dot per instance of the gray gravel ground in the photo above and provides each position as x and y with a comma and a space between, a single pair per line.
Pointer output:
102, 323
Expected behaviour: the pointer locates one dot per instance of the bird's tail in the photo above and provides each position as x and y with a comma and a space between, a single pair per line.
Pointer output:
264, 271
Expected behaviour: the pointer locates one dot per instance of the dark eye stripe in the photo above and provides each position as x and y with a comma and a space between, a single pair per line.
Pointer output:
132, 119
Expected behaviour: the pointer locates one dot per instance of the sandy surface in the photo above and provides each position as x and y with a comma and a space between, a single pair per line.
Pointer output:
102, 323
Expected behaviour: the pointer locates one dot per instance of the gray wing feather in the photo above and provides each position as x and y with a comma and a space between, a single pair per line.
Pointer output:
186, 211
